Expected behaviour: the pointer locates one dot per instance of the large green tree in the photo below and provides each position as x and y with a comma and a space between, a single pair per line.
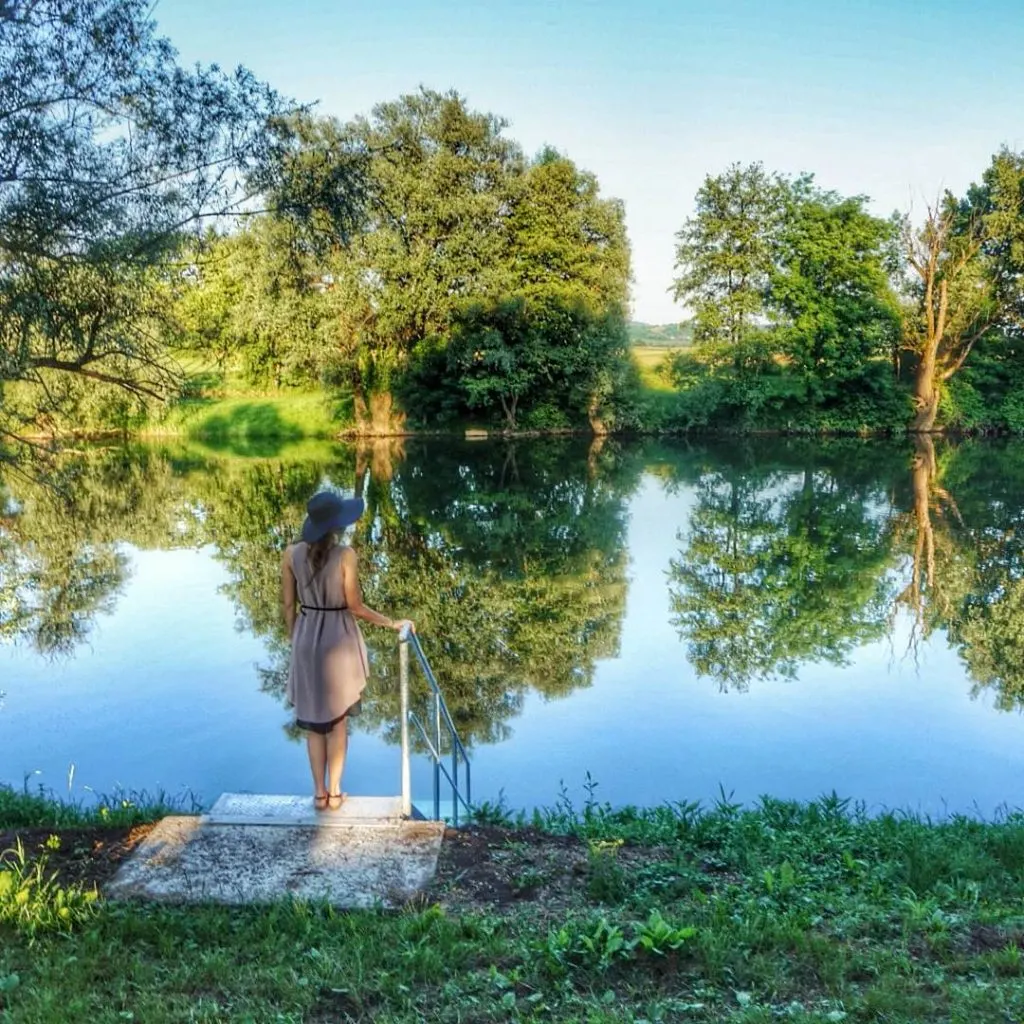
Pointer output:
565, 237
459, 222
829, 295
556, 341
441, 180
724, 252
964, 279
794, 313
554, 356
111, 151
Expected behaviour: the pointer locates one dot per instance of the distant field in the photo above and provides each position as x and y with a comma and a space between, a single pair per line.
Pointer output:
651, 360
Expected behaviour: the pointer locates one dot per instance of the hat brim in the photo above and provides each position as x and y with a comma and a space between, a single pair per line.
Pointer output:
351, 509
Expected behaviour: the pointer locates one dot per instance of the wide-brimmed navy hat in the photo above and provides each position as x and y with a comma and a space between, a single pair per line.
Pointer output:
328, 512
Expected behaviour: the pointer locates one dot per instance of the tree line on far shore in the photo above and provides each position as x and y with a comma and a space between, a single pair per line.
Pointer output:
810, 309
421, 269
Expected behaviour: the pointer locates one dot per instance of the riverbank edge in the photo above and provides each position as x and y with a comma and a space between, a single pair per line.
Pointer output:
812, 912
349, 436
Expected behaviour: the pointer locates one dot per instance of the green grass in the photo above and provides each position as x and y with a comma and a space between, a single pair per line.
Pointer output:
39, 808
224, 412
249, 425
806, 913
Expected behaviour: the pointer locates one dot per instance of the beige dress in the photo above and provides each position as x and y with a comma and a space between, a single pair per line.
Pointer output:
329, 666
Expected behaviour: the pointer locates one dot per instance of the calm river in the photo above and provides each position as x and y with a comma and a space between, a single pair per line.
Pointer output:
675, 619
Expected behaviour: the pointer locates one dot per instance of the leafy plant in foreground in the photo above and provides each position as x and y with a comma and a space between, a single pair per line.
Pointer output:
656, 937
591, 946
606, 881
34, 902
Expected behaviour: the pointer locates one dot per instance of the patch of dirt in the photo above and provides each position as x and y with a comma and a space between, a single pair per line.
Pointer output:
491, 868
88, 856
335, 1005
989, 938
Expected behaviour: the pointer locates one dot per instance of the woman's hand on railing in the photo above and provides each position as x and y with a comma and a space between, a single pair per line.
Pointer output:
405, 627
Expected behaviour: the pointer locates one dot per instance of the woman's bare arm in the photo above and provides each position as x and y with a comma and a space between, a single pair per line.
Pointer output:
288, 590
354, 593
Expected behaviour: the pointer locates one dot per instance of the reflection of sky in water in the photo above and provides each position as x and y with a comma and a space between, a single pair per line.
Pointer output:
164, 694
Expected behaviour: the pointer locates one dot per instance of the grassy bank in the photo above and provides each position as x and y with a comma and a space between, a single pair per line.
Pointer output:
812, 913
241, 419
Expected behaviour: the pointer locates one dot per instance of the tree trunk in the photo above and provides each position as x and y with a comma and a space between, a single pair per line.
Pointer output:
509, 408
376, 414
597, 425
926, 393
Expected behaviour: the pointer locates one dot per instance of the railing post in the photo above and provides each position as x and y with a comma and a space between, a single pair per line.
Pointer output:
455, 784
437, 762
403, 677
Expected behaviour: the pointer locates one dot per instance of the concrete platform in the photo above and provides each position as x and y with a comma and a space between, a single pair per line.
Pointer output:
357, 863
265, 809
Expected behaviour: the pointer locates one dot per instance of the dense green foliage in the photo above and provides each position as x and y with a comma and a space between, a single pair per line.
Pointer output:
186, 236
480, 284
725, 252
795, 315
812, 314
112, 151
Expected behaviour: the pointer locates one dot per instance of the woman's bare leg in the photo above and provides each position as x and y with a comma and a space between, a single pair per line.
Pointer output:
337, 747
316, 747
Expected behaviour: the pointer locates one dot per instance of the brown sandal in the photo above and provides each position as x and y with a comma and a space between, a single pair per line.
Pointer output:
320, 801
331, 797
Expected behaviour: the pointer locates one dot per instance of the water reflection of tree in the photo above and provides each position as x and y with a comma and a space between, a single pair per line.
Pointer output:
61, 561
782, 564
511, 560
787, 562
967, 560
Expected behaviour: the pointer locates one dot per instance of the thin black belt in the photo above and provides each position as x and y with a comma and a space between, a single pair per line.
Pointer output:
317, 608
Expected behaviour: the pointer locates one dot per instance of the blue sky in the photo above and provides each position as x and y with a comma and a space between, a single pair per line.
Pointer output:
894, 99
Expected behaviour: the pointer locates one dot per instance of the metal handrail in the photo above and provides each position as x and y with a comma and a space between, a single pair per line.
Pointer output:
442, 717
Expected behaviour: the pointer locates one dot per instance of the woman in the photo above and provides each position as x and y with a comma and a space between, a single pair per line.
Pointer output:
322, 600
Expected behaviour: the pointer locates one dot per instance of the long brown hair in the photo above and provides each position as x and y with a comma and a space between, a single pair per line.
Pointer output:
319, 551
